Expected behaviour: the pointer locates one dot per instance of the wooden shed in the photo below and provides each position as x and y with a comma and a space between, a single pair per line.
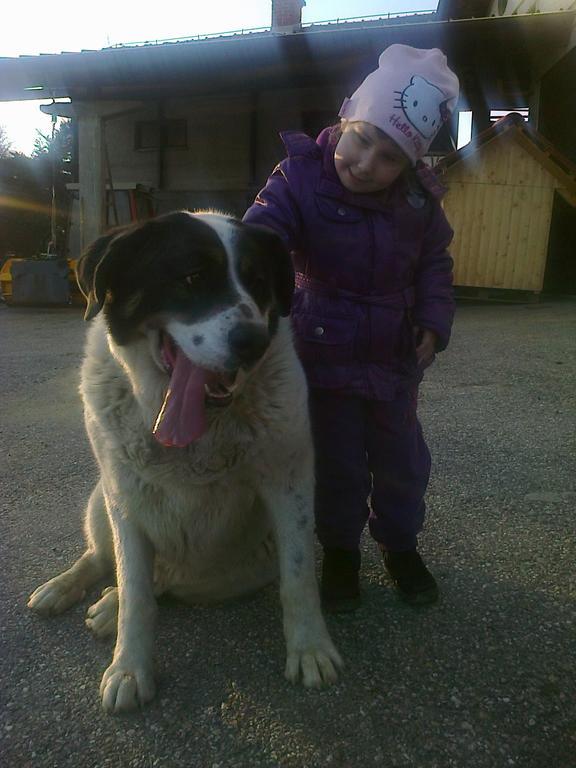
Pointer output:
500, 196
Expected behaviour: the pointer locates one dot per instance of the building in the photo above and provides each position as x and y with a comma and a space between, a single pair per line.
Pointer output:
502, 190
196, 119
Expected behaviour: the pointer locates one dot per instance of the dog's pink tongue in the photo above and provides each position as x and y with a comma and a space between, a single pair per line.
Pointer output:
182, 418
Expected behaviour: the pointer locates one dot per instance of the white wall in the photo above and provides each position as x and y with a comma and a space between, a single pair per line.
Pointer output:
218, 140
217, 159
128, 165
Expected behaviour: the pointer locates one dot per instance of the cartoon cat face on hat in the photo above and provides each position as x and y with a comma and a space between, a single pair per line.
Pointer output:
409, 97
422, 103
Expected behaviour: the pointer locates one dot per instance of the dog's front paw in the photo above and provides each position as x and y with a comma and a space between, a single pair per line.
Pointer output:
126, 687
314, 662
102, 617
55, 596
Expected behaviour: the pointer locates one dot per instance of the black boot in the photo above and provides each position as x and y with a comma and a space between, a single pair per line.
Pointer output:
340, 588
413, 581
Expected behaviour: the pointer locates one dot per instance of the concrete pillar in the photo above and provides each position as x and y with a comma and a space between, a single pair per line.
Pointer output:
91, 177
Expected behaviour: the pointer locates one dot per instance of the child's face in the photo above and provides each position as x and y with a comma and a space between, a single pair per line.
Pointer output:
366, 160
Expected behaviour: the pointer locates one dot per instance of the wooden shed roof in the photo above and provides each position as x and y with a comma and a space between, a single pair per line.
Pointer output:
514, 126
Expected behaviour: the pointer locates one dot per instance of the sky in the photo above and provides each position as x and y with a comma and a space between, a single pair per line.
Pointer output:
31, 27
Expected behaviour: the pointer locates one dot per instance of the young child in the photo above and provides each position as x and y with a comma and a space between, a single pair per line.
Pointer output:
373, 305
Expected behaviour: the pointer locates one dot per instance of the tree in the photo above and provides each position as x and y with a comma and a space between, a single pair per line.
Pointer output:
26, 195
5, 143
59, 146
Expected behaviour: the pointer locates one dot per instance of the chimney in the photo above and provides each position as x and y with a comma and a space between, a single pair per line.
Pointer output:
287, 16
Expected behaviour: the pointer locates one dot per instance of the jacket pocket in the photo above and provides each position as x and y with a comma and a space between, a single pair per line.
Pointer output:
327, 340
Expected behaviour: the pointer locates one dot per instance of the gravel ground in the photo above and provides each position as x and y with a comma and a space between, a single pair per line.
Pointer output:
485, 679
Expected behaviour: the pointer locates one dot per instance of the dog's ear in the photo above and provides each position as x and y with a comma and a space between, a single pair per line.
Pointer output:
283, 271
93, 269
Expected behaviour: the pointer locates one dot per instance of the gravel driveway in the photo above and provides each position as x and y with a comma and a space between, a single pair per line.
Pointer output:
485, 679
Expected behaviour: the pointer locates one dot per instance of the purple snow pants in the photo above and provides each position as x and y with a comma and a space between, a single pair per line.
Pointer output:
368, 447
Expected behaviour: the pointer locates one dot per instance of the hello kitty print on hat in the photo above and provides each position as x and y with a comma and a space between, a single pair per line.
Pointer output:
409, 97
422, 102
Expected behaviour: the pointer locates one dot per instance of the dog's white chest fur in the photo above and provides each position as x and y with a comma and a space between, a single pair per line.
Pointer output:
197, 501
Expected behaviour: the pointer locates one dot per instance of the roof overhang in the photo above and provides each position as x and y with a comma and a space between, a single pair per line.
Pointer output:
519, 47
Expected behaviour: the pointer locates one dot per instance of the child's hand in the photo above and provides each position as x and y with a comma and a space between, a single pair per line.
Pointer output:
425, 346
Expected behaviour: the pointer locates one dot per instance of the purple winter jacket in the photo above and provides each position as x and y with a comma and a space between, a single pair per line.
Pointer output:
366, 271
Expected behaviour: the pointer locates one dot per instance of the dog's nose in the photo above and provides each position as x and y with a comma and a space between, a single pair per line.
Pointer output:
248, 342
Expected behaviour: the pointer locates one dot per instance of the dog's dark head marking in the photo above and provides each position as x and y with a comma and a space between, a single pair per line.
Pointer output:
187, 268
175, 265
265, 268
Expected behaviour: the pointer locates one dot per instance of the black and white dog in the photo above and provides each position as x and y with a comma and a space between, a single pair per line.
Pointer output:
196, 408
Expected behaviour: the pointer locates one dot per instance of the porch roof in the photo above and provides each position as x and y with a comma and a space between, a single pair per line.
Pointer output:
511, 49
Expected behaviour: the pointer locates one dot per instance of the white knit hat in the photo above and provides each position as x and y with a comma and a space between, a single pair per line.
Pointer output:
409, 97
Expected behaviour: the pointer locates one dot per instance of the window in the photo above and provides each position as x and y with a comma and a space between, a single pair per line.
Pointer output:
165, 134
464, 128
496, 114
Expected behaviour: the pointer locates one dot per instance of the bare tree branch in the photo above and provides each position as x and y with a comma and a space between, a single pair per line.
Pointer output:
5, 143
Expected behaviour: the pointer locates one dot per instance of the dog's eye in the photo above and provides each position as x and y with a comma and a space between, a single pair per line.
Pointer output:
193, 278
